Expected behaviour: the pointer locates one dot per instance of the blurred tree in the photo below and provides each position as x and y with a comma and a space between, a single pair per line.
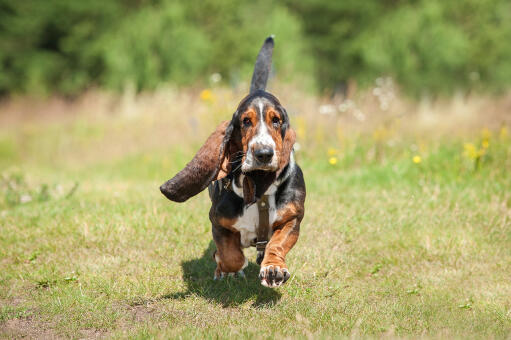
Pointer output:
185, 41
429, 46
66, 46
48, 46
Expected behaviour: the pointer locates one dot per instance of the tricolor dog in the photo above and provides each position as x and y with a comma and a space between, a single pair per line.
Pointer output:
256, 188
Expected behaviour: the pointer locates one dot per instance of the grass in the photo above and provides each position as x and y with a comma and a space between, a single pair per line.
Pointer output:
389, 246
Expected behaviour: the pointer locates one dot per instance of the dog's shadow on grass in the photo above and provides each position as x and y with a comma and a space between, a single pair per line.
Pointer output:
198, 275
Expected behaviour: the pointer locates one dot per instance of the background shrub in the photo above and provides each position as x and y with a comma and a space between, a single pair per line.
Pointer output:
433, 46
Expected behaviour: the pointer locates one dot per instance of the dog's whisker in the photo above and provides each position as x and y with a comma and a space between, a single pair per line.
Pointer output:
236, 160
239, 166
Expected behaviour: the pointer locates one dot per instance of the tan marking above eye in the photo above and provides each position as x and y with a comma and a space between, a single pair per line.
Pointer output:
249, 114
270, 115
247, 132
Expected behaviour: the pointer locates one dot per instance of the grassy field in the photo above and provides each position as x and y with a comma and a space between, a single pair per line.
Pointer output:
407, 231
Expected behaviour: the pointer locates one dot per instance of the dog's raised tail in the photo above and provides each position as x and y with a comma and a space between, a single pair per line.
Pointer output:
262, 66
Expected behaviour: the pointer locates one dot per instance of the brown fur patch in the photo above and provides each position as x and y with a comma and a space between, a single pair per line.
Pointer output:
283, 146
281, 243
231, 258
275, 133
285, 234
287, 147
247, 133
227, 223
270, 114
287, 213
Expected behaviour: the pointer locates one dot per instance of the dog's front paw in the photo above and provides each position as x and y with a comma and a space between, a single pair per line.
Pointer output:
273, 276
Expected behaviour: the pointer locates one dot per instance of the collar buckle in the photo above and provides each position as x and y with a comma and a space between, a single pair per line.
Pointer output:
261, 245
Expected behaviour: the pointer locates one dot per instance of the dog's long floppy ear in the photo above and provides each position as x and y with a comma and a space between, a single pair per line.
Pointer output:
262, 66
202, 169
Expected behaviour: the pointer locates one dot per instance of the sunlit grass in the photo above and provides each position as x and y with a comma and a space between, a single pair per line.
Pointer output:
407, 229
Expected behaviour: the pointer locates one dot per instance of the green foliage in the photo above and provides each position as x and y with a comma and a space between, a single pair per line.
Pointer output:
64, 46
151, 45
429, 46
50, 46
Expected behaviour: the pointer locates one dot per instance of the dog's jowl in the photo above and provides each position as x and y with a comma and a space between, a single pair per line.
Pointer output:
256, 188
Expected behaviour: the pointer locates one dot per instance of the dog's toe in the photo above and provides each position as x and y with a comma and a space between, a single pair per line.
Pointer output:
273, 276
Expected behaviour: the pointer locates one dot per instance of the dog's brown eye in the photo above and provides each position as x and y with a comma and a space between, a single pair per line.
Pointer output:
247, 122
276, 121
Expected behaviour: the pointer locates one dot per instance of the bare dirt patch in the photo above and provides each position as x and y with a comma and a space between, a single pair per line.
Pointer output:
27, 328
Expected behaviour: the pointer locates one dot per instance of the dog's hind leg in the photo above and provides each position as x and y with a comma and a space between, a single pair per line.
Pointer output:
229, 257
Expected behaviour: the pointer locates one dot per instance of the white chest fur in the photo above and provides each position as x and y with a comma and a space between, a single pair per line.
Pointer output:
247, 223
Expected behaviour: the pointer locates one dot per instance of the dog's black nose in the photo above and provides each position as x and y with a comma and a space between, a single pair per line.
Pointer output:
264, 155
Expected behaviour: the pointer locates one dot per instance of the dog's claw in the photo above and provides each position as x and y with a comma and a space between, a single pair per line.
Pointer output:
273, 276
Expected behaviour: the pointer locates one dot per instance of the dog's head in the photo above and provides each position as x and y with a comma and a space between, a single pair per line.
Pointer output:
262, 125
258, 139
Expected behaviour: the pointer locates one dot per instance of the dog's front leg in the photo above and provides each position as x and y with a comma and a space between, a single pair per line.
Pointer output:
274, 271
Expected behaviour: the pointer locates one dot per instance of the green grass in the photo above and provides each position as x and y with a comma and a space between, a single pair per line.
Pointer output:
387, 247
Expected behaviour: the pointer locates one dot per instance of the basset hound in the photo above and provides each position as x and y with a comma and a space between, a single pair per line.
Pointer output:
256, 188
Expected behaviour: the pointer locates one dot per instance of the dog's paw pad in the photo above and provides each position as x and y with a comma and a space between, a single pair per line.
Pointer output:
273, 276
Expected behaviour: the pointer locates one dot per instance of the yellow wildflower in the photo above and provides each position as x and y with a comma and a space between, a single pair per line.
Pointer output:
485, 143
471, 151
474, 153
332, 160
417, 159
332, 152
206, 95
